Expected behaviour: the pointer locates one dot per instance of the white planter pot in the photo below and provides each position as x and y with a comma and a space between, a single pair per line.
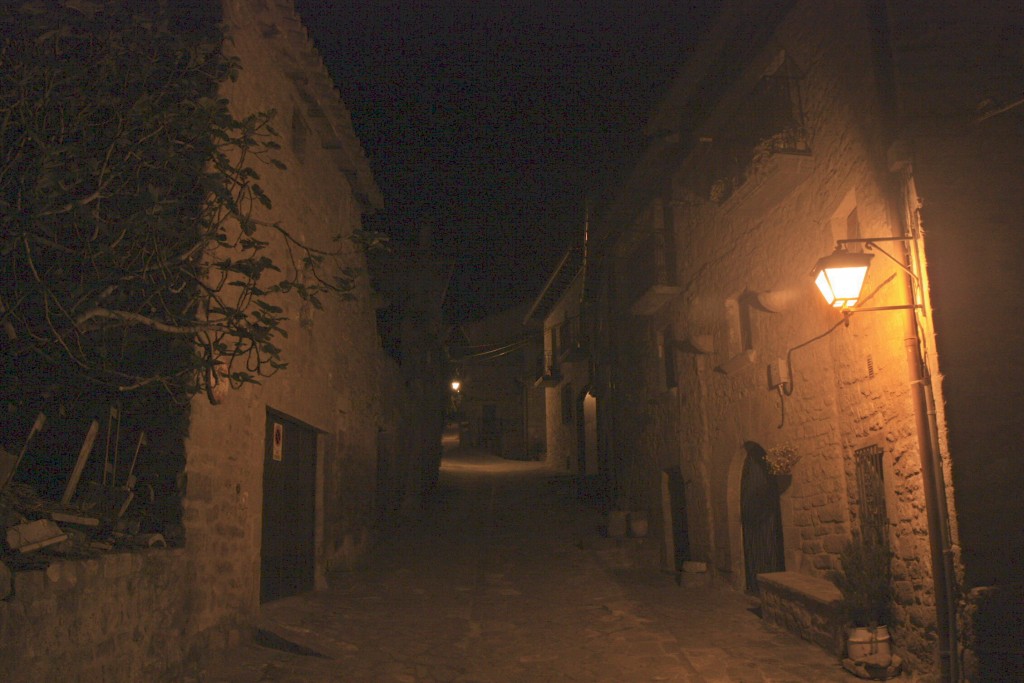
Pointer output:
638, 524
869, 644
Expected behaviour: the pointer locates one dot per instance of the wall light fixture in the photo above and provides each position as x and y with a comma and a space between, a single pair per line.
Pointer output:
840, 275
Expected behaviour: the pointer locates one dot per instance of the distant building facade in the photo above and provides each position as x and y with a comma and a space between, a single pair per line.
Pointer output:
563, 370
498, 406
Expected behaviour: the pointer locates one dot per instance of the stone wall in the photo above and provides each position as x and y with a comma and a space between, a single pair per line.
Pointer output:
118, 617
494, 374
134, 617
747, 302
562, 431
850, 387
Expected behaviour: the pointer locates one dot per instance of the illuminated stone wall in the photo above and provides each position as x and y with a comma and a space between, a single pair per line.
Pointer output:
746, 301
850, 388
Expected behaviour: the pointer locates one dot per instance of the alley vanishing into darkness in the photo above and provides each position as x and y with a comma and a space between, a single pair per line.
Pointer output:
506, 578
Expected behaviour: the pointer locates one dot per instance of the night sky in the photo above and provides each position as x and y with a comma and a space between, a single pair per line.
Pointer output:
491, 122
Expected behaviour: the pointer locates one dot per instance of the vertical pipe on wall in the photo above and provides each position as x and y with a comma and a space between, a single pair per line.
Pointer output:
922, 393
920, 385
926, 428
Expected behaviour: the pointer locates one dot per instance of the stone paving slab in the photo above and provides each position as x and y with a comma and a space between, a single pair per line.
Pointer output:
501, 581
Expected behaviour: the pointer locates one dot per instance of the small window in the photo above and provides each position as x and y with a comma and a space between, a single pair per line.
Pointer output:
852, 225
553, 352
741, 329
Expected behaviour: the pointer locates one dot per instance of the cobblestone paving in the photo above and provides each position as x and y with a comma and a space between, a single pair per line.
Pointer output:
503, 580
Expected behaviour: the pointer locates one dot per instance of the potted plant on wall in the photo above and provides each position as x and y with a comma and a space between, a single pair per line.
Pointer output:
865, 583
780, 461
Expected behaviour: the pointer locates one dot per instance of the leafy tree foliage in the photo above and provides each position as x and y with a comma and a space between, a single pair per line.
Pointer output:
130, 257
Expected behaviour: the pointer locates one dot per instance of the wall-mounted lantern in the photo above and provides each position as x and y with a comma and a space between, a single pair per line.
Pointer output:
840, 275
840, 278
456, 385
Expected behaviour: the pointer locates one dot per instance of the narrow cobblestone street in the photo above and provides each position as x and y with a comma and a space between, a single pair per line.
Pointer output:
506, 578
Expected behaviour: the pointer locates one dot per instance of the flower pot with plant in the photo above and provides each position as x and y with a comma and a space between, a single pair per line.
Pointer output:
780, 459
865, 584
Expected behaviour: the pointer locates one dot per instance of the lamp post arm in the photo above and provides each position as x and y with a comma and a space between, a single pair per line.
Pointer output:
872, 243
872, 240
858, 309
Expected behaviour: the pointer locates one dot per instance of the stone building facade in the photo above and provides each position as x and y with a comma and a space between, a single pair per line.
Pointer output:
498, 405
300, 456
795, 126
562, 371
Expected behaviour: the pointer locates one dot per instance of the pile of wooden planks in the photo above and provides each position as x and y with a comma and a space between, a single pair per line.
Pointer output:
89, 518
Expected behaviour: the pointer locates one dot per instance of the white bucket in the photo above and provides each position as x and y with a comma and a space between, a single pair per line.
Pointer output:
868, 642
638, 524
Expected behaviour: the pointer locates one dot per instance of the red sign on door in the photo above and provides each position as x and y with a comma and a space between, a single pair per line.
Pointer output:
278, 441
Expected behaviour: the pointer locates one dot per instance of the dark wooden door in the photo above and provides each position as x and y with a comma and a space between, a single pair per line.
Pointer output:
289, 492
761, 517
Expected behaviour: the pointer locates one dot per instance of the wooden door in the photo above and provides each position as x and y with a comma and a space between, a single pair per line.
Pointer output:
289, 493
761, 517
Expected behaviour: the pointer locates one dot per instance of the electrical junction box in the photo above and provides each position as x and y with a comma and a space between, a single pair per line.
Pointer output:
778, 373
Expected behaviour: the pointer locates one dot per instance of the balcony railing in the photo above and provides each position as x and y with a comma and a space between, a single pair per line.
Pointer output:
768, 123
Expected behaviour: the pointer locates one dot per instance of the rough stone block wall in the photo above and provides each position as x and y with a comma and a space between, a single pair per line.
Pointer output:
118, 617
646, 404
562, 437
338, 381
138, 617
850, 383
805, 606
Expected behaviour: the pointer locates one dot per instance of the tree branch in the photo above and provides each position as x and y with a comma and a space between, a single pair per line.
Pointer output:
146, 321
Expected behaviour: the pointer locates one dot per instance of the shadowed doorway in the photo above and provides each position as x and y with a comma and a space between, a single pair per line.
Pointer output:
761, 517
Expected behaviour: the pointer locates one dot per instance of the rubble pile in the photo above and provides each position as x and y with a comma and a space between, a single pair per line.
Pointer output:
92, 517
37, 531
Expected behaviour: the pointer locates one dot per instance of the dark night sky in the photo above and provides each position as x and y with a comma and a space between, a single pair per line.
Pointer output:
492, 121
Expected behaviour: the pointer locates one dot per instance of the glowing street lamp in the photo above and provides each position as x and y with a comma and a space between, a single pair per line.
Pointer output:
840, 276
456, 385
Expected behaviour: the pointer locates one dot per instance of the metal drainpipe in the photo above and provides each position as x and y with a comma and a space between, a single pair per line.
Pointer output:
936, 504
920, 388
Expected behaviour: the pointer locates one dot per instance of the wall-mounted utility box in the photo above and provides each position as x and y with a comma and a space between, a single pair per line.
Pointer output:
778, 373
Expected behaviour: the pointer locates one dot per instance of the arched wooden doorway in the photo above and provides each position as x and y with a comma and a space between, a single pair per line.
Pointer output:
761, 518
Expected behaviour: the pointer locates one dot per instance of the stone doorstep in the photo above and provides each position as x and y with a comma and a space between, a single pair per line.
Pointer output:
805, 605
